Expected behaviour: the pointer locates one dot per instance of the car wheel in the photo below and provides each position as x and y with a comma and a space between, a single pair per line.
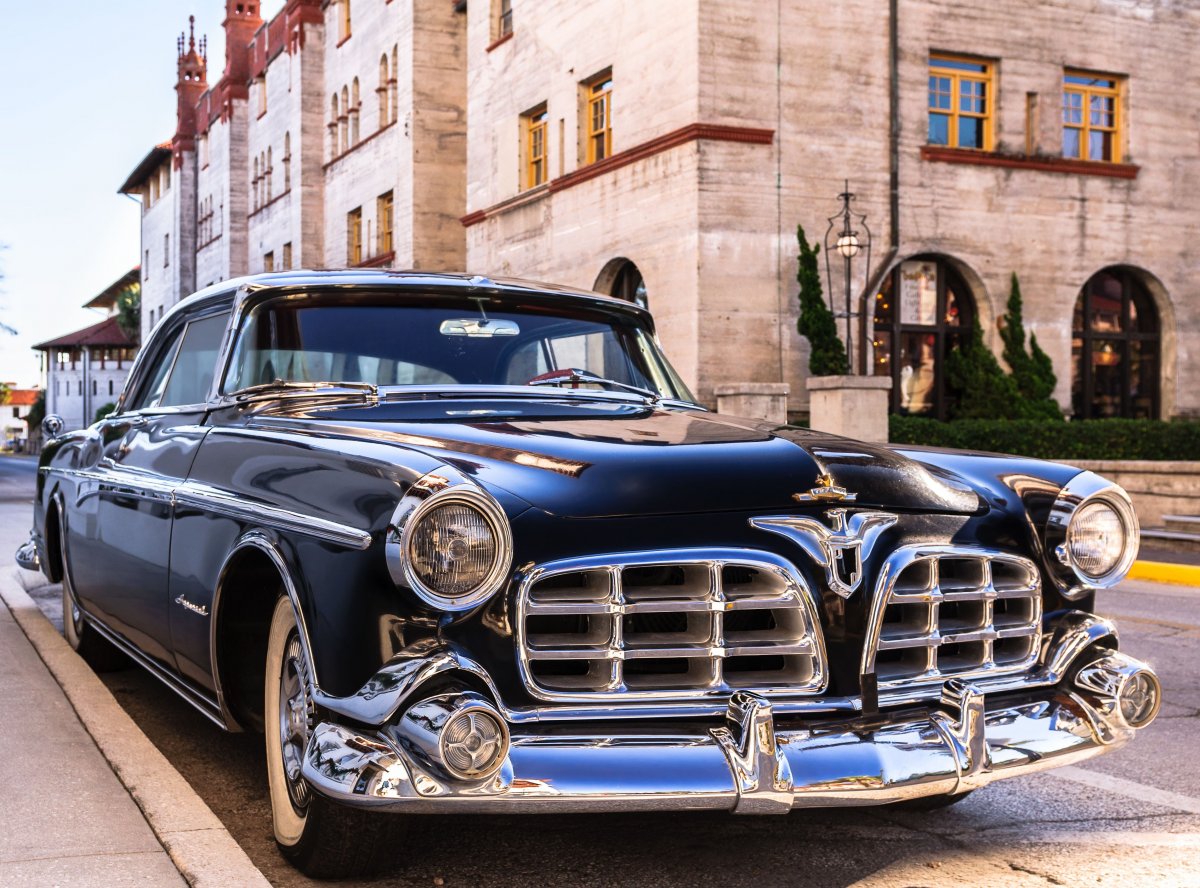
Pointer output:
931, 803
96, 650
321, 839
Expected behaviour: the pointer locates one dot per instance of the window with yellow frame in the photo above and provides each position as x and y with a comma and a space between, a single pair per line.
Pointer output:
961, 102
1091, 116
354, 239
534, 126
599, 118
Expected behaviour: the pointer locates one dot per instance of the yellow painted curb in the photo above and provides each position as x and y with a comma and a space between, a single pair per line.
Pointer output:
1162, 572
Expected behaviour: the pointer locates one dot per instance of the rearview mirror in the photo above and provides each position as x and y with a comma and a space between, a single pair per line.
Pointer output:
480, 328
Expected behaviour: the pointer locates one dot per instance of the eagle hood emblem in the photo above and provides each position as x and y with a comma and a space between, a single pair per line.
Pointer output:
841, 549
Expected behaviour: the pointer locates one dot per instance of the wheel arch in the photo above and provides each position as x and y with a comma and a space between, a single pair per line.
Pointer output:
254, 575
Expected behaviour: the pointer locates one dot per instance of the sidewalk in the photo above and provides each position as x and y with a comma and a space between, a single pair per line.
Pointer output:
66, 818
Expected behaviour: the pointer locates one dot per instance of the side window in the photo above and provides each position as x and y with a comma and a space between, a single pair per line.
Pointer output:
192, 374
157, 378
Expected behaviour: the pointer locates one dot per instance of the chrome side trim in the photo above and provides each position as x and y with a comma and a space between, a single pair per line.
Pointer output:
207, 498
1084, 488
129, 482
747, 766
190, 696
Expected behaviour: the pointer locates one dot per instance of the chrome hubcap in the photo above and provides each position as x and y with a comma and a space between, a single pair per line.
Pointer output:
295, 720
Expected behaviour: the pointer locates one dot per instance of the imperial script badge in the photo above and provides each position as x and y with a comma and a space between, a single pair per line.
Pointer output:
841, 549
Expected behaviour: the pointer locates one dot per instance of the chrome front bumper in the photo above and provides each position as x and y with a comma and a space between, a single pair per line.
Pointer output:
747, 765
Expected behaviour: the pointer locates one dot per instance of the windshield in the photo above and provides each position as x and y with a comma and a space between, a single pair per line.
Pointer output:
445, 341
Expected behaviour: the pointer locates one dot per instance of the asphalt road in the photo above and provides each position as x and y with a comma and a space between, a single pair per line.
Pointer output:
1129, 818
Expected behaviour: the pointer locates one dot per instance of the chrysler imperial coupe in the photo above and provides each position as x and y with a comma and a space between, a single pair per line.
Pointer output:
455, 544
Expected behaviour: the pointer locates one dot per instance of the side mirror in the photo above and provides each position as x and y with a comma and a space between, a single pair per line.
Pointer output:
52, 426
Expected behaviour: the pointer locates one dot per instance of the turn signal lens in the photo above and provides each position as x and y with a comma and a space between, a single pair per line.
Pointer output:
1096, 539
453, 549
474, 744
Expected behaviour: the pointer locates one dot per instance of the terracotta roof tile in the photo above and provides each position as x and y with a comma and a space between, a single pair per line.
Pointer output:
106, 333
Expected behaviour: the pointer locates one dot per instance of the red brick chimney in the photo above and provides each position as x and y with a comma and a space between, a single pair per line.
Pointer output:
190, 85
242, 20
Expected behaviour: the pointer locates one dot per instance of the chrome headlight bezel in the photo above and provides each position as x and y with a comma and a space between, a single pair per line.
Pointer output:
1085, 489
431, 492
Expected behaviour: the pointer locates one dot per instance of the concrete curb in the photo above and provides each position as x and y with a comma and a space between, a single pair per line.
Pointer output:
198, 843
1162, 572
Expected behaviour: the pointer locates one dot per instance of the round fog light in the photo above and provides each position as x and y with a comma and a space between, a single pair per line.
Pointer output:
1139, 699
474, 744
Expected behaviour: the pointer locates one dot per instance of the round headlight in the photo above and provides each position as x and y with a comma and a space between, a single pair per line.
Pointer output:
452, 548
1096, 539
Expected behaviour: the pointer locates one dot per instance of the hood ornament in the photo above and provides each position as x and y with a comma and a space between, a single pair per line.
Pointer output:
841, 548
826, 492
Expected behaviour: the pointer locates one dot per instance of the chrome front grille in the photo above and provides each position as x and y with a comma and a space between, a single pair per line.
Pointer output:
668, 625
952, 612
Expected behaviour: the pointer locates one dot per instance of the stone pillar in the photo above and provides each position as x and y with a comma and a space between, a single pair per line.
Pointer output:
754, 400
851, 406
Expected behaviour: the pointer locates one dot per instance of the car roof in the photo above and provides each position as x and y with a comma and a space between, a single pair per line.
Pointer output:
514, 289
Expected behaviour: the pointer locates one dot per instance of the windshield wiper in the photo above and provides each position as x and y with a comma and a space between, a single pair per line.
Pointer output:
575, 376
283, 385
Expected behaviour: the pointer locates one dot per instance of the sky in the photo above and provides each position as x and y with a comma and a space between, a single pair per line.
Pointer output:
89, 90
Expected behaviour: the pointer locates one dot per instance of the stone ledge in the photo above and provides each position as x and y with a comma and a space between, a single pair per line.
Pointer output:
753, 388
824, 383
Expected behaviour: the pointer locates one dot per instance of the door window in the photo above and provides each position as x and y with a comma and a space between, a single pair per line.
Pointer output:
192, 374
156, 379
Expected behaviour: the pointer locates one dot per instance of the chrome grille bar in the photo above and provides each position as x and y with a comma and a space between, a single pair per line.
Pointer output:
668, 625
943, 611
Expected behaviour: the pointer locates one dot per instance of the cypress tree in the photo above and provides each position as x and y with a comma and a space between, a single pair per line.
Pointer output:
1031, 370
827, 355
983, 390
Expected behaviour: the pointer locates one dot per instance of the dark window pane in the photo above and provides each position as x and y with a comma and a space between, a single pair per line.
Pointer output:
883, 353
885, 308
1070, 142
1108, 377
954, 307
1077, 405
1100, 146
970, 132
918, 368
957, 64
1106, 304
939, 129
1143, 367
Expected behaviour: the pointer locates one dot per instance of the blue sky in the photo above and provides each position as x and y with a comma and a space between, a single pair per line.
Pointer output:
89, 89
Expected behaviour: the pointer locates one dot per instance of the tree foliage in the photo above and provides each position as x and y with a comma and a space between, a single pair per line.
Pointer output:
827, 354
1032, 370
104, 410
981, 388
129, 311
37, 412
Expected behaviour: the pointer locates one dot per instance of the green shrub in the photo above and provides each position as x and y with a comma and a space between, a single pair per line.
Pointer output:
979, 384
103, 411
1032, 370
827, 354
1083, 440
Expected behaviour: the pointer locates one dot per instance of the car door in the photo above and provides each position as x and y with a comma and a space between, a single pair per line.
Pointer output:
144, 453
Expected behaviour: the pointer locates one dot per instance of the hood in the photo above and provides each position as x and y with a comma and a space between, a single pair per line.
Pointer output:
605, 459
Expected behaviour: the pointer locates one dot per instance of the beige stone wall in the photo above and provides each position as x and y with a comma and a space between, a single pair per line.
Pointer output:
819, 77
159, 218
224, 180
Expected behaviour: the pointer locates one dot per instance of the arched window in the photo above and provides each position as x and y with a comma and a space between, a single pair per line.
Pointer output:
257, 179
622, 279
344, 120
1115, 348
355, 108
333, 127
395, 115
922, 310
287, 161
269, 191
382, 91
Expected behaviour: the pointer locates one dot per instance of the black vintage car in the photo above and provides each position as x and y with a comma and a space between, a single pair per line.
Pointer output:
464, 545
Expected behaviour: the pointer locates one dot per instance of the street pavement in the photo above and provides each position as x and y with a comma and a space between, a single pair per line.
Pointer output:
1131, 818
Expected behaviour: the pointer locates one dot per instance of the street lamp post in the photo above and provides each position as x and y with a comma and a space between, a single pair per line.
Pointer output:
844, 235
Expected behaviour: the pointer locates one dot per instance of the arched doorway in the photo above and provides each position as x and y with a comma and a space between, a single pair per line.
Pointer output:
622, 279
1115, 348
922, 310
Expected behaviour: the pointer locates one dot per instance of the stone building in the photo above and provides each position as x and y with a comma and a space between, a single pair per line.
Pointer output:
87, 368
666, 153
